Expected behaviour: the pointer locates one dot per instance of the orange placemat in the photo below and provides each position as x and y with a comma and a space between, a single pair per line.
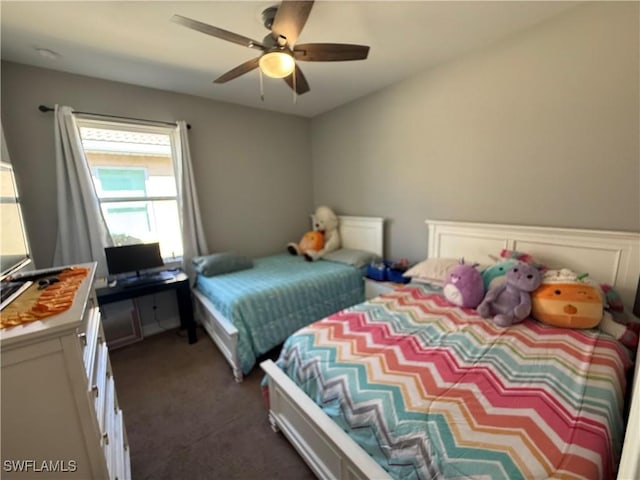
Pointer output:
37, 304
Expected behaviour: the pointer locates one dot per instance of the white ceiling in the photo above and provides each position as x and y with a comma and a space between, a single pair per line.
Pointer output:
134, 42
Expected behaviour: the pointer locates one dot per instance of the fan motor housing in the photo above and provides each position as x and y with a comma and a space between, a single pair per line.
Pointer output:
268, 14
270, 41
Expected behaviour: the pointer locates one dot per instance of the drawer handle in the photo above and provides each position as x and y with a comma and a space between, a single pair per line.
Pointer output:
83, 339
105, 437
95, 390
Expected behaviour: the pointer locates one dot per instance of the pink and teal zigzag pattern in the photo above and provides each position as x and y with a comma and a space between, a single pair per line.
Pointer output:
433, 391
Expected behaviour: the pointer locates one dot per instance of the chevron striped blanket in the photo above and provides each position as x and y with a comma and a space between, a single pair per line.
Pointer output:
434, 391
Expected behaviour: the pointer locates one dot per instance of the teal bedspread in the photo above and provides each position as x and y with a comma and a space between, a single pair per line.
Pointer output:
279, 295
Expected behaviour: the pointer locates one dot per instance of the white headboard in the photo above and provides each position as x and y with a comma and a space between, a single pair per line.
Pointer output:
607, 256
362, 233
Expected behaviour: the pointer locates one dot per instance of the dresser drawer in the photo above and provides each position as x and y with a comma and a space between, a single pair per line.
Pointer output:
99, 383
127, 457
89, 339
115, 442
109, 412
116, 449
118, 452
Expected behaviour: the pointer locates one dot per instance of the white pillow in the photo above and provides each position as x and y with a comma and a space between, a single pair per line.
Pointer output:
432, 270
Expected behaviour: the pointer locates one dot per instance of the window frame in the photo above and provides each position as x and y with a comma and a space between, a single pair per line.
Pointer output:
21, 260
89, 121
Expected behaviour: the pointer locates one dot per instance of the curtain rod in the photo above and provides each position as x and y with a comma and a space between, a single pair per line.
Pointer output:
44, 109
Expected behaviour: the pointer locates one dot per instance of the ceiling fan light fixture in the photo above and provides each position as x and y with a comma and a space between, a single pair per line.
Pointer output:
277, 64
285, 22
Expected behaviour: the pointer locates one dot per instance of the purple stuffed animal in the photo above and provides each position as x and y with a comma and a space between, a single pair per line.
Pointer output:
510, 302
464, 286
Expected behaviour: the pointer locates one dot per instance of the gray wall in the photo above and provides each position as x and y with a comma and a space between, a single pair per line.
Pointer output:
252, 167
542, 128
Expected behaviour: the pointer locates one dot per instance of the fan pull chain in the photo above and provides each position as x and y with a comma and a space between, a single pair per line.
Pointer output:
261, 86
295, 90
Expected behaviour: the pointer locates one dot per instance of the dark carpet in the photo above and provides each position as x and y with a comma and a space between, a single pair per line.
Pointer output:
186, 418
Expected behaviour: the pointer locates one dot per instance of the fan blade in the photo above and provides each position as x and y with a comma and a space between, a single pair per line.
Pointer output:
239, 70
290, 19
330, 52
301, 82
217, 32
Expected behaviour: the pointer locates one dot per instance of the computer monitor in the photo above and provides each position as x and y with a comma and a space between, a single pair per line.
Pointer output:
133, 258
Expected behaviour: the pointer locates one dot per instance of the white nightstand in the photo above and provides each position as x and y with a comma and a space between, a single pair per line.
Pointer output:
374, 288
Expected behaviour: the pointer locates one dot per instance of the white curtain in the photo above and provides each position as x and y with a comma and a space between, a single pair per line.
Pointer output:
193, 239
82, 230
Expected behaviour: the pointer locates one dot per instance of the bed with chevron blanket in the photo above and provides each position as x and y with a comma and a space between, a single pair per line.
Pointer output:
408, 386
430, 390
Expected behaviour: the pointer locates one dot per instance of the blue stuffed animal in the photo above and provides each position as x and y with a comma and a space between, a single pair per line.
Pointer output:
510, 302
494, 275
464, 286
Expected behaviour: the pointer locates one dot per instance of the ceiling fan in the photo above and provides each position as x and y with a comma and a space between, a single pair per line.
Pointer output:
279, 50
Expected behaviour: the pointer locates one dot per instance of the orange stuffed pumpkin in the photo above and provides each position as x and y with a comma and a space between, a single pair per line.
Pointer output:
567, 304
313, 241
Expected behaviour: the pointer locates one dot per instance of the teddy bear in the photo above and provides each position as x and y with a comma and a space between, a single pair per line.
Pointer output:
326, 223
463, 286
510, 302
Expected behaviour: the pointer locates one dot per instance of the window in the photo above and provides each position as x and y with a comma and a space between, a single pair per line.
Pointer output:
14, 247
132, 170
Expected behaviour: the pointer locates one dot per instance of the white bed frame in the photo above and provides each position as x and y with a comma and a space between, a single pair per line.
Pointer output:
609, 257
362, 233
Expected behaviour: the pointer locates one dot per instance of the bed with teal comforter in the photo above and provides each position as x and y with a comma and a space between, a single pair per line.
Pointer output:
279, 295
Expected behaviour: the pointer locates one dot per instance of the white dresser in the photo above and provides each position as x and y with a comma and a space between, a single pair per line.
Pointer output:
60, 413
